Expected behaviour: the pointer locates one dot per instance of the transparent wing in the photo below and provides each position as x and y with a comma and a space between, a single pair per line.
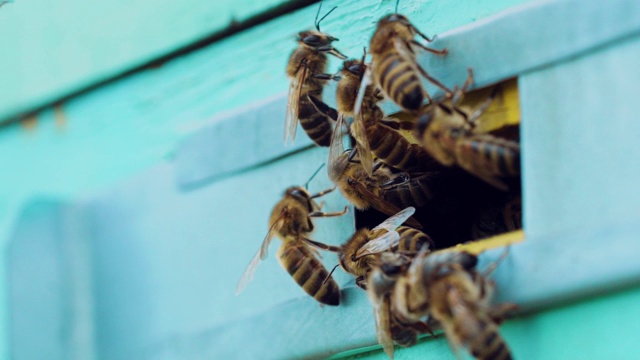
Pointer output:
396, 220
383, 326
248, 274
380, 244
362, 143
380, 204
293, 104
337, 156
366, 81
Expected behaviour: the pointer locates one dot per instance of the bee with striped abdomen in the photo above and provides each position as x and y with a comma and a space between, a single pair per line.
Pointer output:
291, 221
446, 287
361, 252
373, 133
447, 133
309, 59
394, 69
381, 281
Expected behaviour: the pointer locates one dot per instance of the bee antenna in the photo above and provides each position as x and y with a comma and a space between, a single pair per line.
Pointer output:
322, 18
397, 2
364, 55
329, 276
306, 185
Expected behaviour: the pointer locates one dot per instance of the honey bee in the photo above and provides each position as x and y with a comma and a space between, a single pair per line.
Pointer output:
447, 133
394, 69
290, 220
361, 252
308, 59
389, 328
446, 287
498, 218
358, 187
373, 133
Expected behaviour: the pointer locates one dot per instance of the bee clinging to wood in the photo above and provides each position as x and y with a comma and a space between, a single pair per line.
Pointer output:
291, 221
361, 252
374, 134
447, 133
446, 287
359, 188
381, 282
309, 59
394, 69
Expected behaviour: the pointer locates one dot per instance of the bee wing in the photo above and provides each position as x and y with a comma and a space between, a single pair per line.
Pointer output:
366, 81
362, 143
380, 244
293, 102
382, 205
336, 150
248, 274
396, 220
383, 326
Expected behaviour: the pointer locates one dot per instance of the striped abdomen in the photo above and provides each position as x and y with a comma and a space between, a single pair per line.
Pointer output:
487, 344
314, 123
490, 155
398, 80
416, 192
394, 150
308, 272
412, 240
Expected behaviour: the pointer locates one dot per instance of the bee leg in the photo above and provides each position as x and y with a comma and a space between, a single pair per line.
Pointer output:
421, 34
432, 50
329, 214
421, 327
323, 108
361, 281
397, 124
476, 114
327, 77
401, 178
376, 166
322, 193
494, 265
459, 92
498, 313
320, 245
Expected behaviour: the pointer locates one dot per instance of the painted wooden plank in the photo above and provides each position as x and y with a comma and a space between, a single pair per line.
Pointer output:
49, 54
170, 266
476, 45
50, 284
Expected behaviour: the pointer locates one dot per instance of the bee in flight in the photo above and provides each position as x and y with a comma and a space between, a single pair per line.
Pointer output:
361, 252
394, 69
447, 133
309, 59
291, 221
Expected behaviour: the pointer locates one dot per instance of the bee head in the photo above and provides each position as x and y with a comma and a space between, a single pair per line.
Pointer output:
355, 67
394, 18
298, 193
315, 39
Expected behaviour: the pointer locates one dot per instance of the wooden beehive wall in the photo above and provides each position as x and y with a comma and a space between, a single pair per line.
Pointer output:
130, 210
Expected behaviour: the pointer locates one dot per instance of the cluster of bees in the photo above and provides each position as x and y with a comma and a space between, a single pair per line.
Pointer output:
431, 158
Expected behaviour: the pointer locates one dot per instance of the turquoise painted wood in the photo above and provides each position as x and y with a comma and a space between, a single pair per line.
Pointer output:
159, 252
52, 48
555, 334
